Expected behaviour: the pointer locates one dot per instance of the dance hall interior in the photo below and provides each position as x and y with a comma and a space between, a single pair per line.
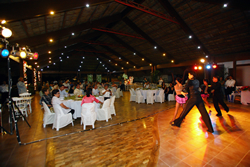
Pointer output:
124, 83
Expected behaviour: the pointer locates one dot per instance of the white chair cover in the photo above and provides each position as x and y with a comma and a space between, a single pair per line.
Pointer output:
121, 93
104, 112
21, 104
132, 96
171, 97
112, 106
160, 96
117, 93
113, 90
88, 115
61, 119
28, 101
150, 97
48, 117
139, 98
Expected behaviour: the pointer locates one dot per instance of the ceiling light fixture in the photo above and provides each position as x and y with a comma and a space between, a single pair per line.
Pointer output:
54, 63
83, 57
155, 47
49, 61
49, 57
198, 47
73, 33
150, 64
3, 21
134, 53
81, 61
59, 57
61, 60
61, 53
87, 5
134, 66
65, 46
127, 62
190, 36
67, 57
49, 52
172, 61
52, 12
206, 56
119, 57
164, 54
142, 59
51, 40
225, 5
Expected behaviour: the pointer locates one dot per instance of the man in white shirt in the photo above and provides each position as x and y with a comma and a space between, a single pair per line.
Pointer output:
62, 91
106, 92
230, 83
66, 85
95, 91
160, 81
56, 101
4, 89
77, 91
146, 85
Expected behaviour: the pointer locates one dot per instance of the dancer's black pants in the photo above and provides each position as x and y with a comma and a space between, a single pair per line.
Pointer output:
195, 100
219, 100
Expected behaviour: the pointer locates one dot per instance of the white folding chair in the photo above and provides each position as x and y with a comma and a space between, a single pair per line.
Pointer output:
139, 98
48, 117
160, 96
104, 112
121, 93
28, 101
61, 119
117, 93
88, 115
132, 96
112, 106
171, 97
150, 97
21, 104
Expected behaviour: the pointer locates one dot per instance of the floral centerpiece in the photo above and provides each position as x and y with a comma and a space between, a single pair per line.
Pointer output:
80, 96
245, 88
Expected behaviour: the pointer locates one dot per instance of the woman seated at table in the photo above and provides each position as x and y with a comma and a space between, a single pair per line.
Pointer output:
89, 98
57, 101
146, 85
71, 89
46, 97
107, 92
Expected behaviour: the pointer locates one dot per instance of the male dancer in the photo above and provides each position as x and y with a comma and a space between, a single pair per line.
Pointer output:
218, 97
195, 99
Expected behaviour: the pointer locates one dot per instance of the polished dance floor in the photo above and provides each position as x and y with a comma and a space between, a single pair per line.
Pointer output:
140, 135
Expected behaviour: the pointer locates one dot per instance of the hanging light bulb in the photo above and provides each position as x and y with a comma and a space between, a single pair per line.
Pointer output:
6, 33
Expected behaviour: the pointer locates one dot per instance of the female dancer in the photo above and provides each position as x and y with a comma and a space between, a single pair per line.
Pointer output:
204, 92
180, 99
195, 99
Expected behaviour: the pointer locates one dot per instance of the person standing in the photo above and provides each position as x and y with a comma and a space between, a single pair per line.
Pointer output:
4, 89
218, 97
195, 99
66, 85
144, 81
106, 92
21, 86
230, 83
160, 81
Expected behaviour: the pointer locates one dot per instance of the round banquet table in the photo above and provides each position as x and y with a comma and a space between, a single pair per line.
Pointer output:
144, 93
76, 105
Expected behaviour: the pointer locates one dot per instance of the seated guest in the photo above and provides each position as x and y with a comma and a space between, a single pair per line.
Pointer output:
46, 98
160, 81
146, 85
114, 85
62, 91
121, 86
95, 91
77, 91
89, 98
57, 101
106, 92
71, 90
66, 85
21, 86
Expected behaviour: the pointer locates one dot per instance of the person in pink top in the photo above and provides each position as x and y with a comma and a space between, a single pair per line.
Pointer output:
89, 98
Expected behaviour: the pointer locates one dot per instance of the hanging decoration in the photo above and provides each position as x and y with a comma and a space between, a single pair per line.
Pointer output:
25, 73
39, 76
35, 78
90, 78
99, 78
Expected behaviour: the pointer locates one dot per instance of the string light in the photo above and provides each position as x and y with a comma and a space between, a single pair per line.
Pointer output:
109, 60
73, 34
225, 5
87, 5
35, 62
134, 53
127, 62
206, 56
49, 57
49, 61
38, 66
61, 60
155, 47
49, 52
150, 64
67, 57
81, 61
65, 46
83, 57
122, 68
51, 40
61, 53
198, 47
134, 66
164, 54
172, 61
115, 64
119, 57
54, 63
190, 36
142, 59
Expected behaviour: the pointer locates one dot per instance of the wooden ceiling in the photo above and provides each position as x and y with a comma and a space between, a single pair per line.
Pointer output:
216, 29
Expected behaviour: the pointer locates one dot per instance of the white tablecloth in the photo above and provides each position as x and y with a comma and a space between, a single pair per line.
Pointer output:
245, 97
144, 93
76, 105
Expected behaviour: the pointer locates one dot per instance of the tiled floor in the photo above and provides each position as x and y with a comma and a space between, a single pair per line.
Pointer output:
150, 141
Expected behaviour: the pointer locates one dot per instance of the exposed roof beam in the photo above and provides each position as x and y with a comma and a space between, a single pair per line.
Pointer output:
119, 55
31, 9
127, 46
237, 4
44, 50
168, 7
72, 72
79, 15
64, 19
25, 28
43, 38
134, 27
